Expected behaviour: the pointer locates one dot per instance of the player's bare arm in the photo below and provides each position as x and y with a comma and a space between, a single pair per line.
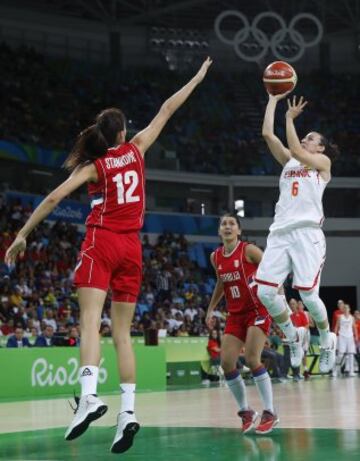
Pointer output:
253, 254
145, 138
277, 148
80, 175
316, 161
217, 294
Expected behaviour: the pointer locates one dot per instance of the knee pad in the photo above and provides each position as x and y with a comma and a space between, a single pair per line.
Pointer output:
273, 302
313, 302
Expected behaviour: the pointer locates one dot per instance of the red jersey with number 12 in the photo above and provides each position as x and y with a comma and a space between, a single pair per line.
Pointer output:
118, 198
238, 277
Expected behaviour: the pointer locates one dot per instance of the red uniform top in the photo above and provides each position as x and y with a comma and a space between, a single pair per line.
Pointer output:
118, 198
211, 347
335, 316
299, 319
238, 277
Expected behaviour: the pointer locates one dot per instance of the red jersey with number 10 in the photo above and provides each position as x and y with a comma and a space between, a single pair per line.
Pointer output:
118, 198
238, 277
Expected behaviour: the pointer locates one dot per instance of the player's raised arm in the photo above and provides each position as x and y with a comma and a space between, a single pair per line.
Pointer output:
277, 148
145, 138
79, 176
318, 161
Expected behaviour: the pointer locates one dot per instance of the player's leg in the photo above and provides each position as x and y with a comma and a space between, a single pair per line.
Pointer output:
231, 346
125, 284
254, 345
351, 355
272, 271
122, 314
308, 257
89, 406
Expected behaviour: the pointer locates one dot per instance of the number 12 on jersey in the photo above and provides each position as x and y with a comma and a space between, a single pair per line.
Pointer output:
235, 292
130, 179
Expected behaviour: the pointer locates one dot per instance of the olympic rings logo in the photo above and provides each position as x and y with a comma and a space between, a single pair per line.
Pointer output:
261, 38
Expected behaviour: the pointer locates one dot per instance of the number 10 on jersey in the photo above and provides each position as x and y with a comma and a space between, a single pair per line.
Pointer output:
235, 292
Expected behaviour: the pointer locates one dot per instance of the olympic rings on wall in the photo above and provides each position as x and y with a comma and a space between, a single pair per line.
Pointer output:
263, 40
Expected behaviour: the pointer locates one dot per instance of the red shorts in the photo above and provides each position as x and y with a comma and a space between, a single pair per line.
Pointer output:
110, 260
237, 324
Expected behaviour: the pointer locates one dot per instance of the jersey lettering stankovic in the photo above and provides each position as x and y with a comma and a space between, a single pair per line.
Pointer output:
300, 201
118, 198
238, 277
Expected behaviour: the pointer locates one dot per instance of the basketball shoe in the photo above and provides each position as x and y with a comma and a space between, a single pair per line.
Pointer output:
248, 418
296, 349
328, 355
267, 423
127, 427
88, 409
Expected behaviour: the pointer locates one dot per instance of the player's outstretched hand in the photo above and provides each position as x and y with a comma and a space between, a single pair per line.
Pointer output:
278, 97
18, 246
295, 107
203, 69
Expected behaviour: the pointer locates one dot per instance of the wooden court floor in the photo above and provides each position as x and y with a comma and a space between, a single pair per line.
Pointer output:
319, 420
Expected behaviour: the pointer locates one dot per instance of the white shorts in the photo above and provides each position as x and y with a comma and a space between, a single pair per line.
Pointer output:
301, 252
346, 344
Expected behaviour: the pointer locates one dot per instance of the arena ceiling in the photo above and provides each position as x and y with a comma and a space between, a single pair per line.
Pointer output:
336, 15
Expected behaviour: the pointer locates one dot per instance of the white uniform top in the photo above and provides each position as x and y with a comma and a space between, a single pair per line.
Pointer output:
300, 201
346, 326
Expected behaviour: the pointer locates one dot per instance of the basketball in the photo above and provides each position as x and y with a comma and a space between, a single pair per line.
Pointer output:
279, 77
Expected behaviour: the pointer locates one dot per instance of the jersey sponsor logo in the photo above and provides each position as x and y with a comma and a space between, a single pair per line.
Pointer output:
301, 172
236, 263
119, 162
230, 276
219, 267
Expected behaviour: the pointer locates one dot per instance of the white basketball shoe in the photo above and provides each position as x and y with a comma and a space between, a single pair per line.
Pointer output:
328, 355
296, 348
88, 409
127, 427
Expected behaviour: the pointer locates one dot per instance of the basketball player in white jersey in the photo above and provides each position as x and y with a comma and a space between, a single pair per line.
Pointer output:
296, 243
347, 336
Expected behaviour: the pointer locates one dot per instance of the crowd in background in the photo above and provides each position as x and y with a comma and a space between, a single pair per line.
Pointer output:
210, 134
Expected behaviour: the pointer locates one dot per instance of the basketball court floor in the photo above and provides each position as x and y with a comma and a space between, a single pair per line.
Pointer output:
319, 420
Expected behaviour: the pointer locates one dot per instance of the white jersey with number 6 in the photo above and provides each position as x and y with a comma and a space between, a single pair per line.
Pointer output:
300, 201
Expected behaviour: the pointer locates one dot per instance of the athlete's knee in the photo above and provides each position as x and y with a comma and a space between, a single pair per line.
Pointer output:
267, 294
228, 364
315, 305
252, 360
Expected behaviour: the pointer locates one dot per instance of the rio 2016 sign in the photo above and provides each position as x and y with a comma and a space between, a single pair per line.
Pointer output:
44, 373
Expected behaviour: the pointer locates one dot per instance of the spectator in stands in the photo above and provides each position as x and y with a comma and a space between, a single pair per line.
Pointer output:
73, 338
18, 339
337, 312
213, 347
46, 339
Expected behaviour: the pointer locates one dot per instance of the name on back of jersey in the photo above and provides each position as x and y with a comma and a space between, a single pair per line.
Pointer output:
119, 162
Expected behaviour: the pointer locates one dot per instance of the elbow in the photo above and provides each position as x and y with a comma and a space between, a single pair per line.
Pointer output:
166, 109
267, 135
53, 199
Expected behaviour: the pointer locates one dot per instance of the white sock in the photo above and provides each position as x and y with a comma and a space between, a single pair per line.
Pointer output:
288, 329
88, 379
237, 388
263, 384
127, 397
324, 337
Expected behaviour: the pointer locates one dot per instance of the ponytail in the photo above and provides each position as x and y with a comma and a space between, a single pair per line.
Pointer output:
331, 150
96, 139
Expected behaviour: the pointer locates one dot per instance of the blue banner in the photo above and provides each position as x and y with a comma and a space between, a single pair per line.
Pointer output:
32, 154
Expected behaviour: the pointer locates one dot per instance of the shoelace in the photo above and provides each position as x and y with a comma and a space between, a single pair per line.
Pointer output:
77, 402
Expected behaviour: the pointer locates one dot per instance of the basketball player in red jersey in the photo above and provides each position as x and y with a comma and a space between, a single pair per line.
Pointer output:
248, 322
110, 255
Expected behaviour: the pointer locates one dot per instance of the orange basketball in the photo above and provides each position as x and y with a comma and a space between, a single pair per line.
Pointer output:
279, 77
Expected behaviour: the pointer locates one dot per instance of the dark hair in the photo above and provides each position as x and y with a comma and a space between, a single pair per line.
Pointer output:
331, 150
94, 141
230, 215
